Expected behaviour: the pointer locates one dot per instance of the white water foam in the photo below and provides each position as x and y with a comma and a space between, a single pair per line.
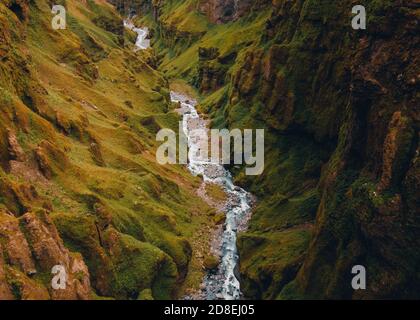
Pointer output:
142, 42
223, 283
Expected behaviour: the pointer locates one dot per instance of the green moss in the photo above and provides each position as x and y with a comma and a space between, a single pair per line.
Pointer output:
141, 266
211, 262
271, 260
146, 294
290, 292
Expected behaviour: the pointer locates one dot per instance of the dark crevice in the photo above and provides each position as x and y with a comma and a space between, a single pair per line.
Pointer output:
17, 10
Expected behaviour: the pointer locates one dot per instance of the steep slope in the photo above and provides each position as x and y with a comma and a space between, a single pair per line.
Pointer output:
340, 109
79, 183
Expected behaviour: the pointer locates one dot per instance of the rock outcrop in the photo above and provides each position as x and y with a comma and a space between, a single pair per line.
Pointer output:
31, 246
212, 70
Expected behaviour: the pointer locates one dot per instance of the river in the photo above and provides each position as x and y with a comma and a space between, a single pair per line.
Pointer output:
142, 42
223, 282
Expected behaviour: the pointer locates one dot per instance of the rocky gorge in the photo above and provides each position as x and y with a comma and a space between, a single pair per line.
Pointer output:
79, 182
340, 107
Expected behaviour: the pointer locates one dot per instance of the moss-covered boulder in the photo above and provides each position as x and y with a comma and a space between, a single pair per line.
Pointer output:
211, 262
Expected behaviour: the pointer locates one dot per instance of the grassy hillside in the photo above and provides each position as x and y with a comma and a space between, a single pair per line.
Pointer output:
79, 111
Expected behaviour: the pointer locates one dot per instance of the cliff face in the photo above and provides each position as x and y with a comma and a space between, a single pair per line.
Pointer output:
340, 108
357, 94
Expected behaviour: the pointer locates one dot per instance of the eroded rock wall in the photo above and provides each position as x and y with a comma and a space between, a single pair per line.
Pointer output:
340, 108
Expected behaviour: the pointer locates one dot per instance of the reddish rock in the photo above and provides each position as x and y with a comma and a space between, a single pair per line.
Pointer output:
18, 252
15, 150
5, 292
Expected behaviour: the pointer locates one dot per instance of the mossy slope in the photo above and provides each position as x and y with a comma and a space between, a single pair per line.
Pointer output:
79, 111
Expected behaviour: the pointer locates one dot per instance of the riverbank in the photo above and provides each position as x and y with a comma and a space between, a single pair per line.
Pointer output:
220, 282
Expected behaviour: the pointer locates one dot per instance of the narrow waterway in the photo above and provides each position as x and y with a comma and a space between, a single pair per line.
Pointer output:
142, 42
223, 282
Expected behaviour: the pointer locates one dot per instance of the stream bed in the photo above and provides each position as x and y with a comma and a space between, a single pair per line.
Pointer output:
142, 42
222, 283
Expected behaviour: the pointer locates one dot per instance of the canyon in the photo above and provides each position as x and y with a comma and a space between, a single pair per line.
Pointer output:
80, 109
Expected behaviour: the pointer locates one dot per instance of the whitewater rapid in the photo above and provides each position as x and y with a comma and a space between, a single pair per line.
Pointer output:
222, 283
142, 42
